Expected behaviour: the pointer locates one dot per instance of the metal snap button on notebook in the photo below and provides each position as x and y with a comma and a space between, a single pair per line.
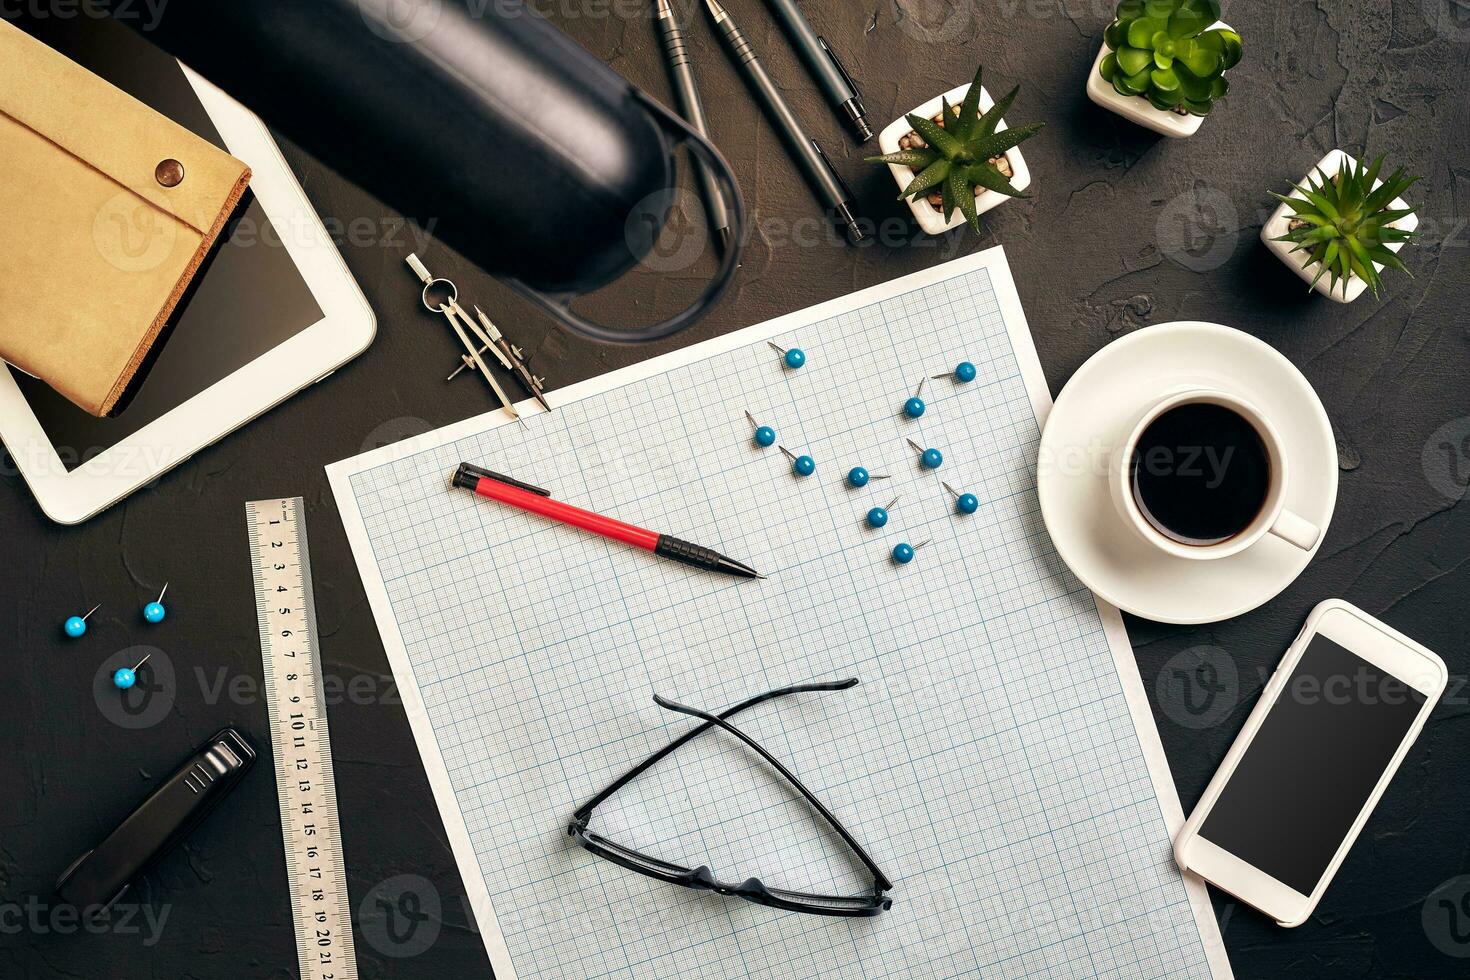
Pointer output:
169, 173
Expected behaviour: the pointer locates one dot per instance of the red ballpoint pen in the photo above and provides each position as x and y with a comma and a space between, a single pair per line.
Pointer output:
508, 490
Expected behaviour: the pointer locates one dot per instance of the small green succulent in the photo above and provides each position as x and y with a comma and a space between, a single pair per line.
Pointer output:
1345, 225
1164, 51
957, 157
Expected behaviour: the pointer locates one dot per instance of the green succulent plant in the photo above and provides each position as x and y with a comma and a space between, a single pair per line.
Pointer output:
1345, 225
957, 158
1166, 52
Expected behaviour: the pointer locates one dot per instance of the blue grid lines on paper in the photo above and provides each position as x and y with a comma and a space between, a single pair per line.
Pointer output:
988, 759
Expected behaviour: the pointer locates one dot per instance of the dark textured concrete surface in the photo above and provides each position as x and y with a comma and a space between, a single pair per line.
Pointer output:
1125, 230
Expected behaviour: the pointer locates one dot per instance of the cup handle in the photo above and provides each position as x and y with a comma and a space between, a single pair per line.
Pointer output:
1296, 530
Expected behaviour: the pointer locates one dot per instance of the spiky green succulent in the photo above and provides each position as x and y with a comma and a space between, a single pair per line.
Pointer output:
1166, 51
957, 158
1345, 225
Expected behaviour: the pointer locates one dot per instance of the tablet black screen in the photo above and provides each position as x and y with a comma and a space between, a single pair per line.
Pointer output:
247, 299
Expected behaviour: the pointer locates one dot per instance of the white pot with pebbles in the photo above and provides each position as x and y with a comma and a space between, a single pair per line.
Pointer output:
1397, 217
928, 210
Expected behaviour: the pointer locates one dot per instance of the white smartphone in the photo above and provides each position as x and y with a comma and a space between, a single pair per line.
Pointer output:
1331, 728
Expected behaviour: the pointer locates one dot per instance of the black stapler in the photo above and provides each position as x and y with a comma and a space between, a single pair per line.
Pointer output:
99, 877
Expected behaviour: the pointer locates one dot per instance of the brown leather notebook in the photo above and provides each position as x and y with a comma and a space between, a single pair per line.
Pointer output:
107, 209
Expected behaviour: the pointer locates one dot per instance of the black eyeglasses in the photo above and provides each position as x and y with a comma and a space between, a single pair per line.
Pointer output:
701, 878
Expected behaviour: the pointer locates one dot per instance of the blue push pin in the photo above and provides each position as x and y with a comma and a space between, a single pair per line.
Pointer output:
903, 553
125, 677
914, 407
154, 611
793, 358
965, 503
964, 373
858, 477
765, 436
878, 516
75, 626
800, 465
930, 459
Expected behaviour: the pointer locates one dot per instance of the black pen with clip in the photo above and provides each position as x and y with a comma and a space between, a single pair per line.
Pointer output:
825, 66
808, 155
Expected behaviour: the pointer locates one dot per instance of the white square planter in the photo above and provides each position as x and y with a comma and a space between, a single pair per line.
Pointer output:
930, 218
1136, 108
1299, 262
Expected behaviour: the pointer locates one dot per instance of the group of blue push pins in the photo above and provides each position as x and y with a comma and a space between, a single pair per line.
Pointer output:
794, 358
124, 677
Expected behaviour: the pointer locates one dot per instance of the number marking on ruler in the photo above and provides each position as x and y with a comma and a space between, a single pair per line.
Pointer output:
298, 716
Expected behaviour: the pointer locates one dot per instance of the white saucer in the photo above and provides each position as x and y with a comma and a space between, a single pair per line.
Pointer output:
1093, 413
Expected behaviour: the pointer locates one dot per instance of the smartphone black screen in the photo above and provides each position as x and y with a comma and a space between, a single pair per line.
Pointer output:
1313, 764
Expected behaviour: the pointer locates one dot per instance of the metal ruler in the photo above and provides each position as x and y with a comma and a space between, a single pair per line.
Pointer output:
303, 748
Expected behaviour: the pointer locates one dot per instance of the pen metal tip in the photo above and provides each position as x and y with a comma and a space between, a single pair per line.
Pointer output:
857, 117
716, 11
850, 223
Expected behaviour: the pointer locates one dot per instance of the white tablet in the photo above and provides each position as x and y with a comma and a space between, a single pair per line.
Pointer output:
273, 310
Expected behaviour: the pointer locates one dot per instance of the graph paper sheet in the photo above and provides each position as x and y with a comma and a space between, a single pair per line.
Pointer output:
998, 759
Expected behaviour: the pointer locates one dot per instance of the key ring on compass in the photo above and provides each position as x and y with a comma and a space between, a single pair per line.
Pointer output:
450, 302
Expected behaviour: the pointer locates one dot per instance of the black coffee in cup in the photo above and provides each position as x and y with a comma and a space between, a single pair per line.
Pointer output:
1200, 473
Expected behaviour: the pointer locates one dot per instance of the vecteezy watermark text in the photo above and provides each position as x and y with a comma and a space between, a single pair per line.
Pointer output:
147, 13
1199, 687
243, 690
119, 919
1446, 458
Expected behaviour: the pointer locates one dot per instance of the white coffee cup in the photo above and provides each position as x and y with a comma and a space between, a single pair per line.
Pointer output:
1273, 517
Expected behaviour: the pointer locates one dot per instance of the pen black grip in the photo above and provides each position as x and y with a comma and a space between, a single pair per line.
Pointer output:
690, 554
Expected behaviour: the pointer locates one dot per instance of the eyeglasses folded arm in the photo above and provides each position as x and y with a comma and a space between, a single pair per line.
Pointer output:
701, 878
